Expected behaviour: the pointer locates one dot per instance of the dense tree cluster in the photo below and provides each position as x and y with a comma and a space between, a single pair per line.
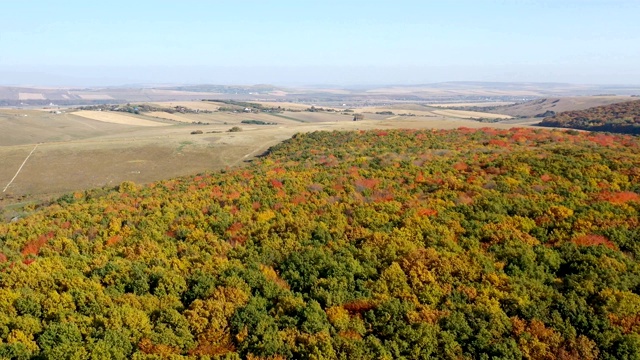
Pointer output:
238, 106
620, 118
344, 245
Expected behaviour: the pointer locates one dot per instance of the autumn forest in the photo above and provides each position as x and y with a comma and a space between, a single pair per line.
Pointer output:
399, 244
619, 118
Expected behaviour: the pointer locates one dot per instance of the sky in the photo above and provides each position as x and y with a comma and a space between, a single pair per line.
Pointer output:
328, 42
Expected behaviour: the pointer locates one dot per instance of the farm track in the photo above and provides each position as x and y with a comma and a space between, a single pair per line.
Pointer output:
20, 168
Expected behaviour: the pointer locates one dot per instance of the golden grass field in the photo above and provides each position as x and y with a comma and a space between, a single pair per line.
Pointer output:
86, 149
227, 118
116, 118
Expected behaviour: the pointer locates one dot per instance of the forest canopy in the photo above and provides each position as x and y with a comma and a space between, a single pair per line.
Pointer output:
618, 118
378, 244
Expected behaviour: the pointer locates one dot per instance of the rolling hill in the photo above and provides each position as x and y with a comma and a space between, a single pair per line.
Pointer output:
465, 243
551, 105
449, 92
620, 118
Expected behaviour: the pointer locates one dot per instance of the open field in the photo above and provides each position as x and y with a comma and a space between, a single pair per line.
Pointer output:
370, 112
95, 97
186, 118
105, 148
462, 104
30, 96
429, 111
429, 91
117, 118
290, 105
316, 117
222, 118
470, 114
233, 118
19, 127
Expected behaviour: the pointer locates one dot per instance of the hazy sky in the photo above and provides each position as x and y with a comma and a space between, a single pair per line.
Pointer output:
318, 42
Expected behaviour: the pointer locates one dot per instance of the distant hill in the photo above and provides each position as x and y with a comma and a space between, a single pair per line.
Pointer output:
542, 107
621, 118
451, 92
38, 96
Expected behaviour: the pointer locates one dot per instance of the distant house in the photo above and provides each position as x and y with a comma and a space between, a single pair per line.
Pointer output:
247, 110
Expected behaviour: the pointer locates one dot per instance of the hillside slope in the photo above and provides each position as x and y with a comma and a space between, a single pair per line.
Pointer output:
621, 118
344, 245
539, 107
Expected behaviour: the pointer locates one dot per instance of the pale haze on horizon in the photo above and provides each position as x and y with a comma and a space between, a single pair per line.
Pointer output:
80, 43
